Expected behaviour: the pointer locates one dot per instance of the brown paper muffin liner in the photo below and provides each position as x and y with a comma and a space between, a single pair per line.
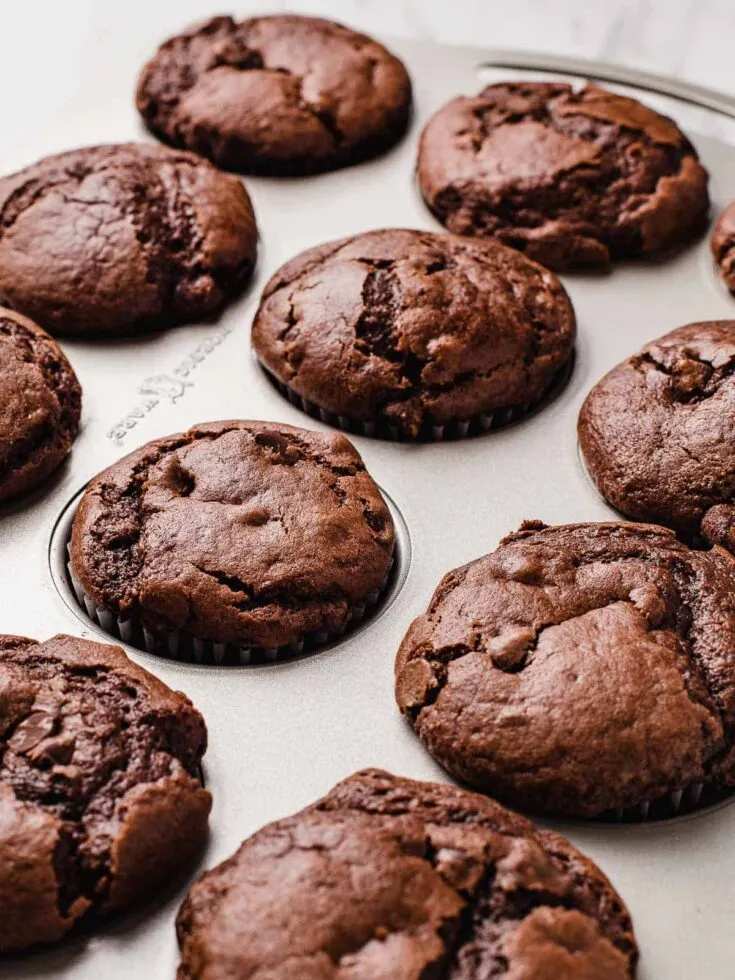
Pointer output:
183, 646
455, 429
680, 802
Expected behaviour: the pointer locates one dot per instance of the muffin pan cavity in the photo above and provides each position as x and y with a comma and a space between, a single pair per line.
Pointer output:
184, 648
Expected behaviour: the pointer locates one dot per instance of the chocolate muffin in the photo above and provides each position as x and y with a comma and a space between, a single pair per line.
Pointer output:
40, 405
388, 877
276, 95
576, 179
579, 669
232, 536
100, 803
410, 333
658, 433
123, 239
723, 246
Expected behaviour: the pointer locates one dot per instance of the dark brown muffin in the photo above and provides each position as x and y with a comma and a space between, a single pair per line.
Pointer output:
40, 405
123, 239
658, 433
388, 877
414, 330
723, 246
574, 179
100, 803
244, 533
578, 668
276, 95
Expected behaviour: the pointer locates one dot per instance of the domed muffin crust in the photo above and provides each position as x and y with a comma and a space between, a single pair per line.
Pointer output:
414, 329
276, 95
578, 668
100, 804
123, 239
40, 405
250, 533
388, 877
576, 179
658, 433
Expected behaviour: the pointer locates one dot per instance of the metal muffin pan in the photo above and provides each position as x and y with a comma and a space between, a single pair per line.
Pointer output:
282, 734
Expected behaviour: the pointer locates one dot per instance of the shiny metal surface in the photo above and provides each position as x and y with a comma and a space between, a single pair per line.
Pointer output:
282, 734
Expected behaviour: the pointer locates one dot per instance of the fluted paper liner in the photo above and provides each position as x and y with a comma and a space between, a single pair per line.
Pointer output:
183, 646
455, 429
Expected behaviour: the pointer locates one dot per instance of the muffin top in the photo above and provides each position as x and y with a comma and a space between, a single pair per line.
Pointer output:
40, 404
723, 246
388, 877
578, 668
658, 433
238, 532
573, 178
275, 95
122, 239
99, 797
414, 328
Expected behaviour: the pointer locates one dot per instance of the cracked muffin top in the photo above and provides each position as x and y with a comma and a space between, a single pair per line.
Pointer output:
574, 178
391, 878
123, 239
658, 433
413, 328
276, 95
249, 533
40, 405
578, 668
723, 246
100, 801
